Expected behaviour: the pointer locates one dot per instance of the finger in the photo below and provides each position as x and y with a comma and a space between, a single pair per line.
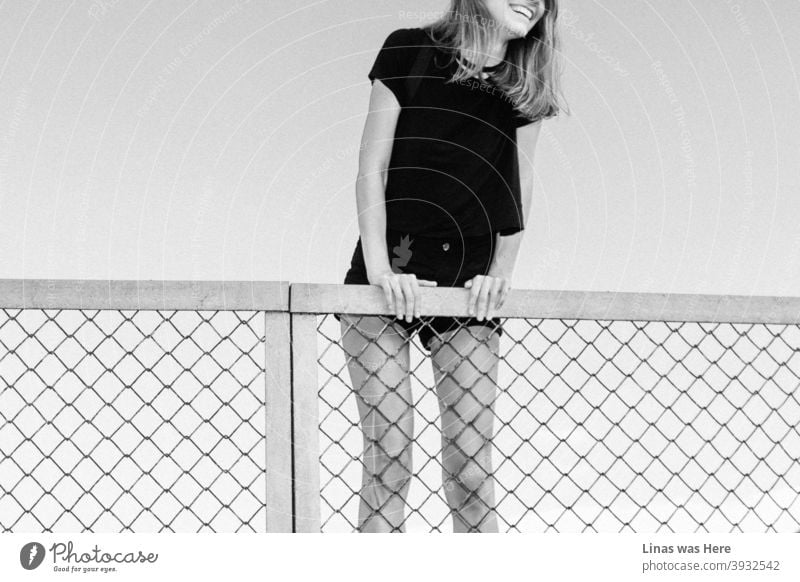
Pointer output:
426, 283
483, 297
398, 297
494, 296
504, 295
387, 293
474, 288
417, 296
468, 284
408, 297
491, 296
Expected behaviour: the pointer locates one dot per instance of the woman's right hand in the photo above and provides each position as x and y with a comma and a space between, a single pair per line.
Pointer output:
401, 291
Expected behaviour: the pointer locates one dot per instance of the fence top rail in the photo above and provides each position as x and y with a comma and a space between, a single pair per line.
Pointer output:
369, 300
144, 295
596, 305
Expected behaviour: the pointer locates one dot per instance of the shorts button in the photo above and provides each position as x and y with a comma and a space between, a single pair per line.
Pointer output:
446, 246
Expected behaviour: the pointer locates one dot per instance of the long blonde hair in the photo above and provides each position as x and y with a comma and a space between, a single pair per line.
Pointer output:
530, 74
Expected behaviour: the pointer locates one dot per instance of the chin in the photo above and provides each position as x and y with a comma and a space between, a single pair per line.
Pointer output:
516, 31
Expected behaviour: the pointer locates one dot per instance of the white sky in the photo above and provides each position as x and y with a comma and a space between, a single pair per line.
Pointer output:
218, 140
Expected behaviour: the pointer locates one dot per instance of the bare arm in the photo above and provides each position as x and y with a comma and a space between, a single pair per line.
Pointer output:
489, 292
508, 246
401, 290
373, 161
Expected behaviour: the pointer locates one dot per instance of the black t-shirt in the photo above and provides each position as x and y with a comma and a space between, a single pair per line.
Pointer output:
453, 169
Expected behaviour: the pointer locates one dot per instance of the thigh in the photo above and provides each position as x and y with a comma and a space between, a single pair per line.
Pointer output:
378, 360
465, 369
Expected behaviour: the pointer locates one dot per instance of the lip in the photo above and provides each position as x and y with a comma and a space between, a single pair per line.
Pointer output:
522, 10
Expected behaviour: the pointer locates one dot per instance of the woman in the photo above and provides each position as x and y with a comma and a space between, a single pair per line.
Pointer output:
445, 180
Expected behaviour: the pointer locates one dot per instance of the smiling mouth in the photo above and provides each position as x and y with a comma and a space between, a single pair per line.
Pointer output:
523, 10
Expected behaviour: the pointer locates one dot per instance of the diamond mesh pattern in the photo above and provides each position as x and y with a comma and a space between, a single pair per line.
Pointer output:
604, 426
132, 421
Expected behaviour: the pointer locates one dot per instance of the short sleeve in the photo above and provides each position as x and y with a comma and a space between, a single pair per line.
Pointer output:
521, 120
392, 64
510, 231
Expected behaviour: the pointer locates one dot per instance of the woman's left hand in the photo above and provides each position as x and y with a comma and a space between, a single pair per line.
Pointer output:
488, 293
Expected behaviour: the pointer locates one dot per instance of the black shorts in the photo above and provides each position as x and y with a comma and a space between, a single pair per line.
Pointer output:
450, 262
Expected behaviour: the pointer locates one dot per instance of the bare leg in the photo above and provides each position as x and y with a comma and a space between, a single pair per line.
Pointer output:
378, 362
465, 370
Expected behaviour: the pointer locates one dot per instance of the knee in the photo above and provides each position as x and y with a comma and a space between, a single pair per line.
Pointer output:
392, 456
393, 473
467, 479
395, 451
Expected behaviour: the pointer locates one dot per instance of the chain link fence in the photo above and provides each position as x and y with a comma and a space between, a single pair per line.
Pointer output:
132, 419
169, 406
598, 425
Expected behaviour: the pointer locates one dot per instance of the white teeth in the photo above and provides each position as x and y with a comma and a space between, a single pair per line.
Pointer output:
524, 10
